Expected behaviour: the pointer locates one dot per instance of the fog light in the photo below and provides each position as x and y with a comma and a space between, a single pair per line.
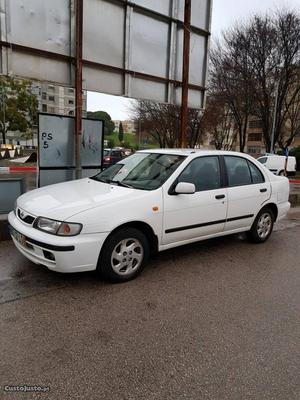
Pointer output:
50, 256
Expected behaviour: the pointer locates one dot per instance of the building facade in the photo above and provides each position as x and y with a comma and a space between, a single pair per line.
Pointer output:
54, 99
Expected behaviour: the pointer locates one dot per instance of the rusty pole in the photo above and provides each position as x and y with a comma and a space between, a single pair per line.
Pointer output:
185, 73
78, 85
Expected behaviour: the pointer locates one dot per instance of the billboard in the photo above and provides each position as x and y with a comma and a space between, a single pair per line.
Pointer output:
57, 148
132, 49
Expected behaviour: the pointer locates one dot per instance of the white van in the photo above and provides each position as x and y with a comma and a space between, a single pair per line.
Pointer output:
276, 164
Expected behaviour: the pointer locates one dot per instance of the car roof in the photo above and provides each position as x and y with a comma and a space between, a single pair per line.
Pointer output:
187, 152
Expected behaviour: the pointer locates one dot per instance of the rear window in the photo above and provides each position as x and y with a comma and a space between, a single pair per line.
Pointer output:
262, 160
257, 176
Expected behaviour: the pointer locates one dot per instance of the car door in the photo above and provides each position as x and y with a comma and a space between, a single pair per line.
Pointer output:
248, 189
189, 216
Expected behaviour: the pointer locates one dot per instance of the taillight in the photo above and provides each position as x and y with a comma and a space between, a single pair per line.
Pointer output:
107, 158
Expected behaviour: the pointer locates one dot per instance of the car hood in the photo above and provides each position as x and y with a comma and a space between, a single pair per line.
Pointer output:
64, 200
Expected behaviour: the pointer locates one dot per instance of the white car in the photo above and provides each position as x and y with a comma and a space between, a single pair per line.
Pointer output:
276, 164
151, 201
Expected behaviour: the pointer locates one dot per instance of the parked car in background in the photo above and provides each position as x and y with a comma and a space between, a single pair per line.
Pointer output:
112, 156
276, 164
151, 201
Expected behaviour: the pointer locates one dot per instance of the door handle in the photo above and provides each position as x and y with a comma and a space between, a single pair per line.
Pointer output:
220, 196
263, 190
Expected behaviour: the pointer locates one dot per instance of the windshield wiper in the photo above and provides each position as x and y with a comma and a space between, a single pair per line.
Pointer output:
120, 183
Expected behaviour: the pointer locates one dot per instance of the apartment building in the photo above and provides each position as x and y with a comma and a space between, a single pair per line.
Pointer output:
255, 144
54, 99
129, 126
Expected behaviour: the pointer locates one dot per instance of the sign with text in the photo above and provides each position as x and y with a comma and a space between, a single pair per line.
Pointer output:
57, 147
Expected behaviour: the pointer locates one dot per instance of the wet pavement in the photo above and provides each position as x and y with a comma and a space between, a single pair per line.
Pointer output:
213, 320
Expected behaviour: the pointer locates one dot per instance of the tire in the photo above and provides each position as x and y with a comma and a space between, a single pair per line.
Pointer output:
262, 227
124, 255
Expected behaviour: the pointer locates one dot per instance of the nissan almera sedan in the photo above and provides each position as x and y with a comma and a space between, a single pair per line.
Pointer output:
151, 201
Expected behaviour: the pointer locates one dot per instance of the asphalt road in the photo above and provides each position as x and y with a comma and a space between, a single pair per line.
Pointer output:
213, 320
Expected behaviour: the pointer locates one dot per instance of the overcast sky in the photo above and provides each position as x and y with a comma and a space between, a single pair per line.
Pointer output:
225, 13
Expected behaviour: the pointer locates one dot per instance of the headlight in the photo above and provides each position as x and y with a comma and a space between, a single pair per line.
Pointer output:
57, 227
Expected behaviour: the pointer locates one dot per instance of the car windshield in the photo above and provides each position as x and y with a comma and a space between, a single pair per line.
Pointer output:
105, 153
146, 171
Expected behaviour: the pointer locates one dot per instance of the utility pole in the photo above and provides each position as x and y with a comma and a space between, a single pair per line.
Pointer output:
78, 86
274, 117
185, 73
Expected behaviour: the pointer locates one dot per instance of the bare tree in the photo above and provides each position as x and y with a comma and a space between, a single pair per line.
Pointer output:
230, 80
291, 123
218, 124
254, 69
274, 54
162, 121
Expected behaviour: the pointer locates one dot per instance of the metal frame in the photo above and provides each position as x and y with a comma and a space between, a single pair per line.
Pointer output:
129, 76
130, 6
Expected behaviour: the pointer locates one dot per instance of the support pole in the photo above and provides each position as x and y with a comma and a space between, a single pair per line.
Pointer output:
78, 86
185, 74
274, 117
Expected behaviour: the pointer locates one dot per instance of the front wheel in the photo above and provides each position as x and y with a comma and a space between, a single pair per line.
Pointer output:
262, 226
124, 255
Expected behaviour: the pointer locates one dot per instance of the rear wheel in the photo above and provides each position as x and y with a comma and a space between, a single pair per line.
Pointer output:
262, 226
124, 255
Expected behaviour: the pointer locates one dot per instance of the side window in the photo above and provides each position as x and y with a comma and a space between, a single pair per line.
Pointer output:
203, 172
238, 171
257, 176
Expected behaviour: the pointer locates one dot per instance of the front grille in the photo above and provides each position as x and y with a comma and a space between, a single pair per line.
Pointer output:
28, 219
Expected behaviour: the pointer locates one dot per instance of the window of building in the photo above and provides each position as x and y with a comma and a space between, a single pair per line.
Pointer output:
255, 124
71, 101
44, 96
254, 137
71, 91
44, 107
51, 98
203, 172
51, 110
254, 150
71, 112
51, 88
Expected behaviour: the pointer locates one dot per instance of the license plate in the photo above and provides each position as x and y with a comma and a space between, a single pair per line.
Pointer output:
18, 236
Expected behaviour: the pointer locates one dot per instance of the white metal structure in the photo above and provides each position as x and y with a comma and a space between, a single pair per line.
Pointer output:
150, 201
130, 48
276, 164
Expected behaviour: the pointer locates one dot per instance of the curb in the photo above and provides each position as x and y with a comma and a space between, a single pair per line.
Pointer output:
295, 181
18, 169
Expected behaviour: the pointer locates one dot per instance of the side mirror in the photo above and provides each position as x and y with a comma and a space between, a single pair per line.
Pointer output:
185, 188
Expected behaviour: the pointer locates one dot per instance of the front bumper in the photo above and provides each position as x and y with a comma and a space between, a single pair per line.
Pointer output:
62, 254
